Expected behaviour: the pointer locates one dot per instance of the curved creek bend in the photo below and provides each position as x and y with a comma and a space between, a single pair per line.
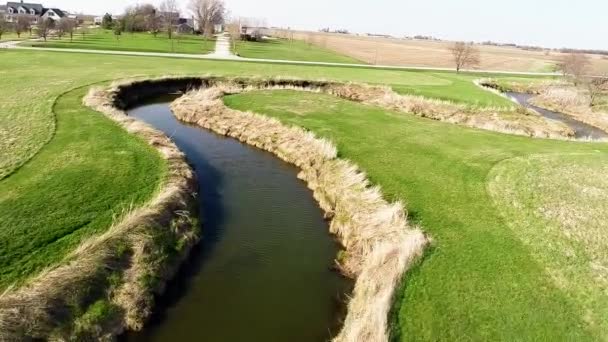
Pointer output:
263, 270
581, 129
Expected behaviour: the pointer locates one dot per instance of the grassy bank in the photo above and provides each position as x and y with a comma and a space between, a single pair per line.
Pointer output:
99, 39
295, 50
482, 279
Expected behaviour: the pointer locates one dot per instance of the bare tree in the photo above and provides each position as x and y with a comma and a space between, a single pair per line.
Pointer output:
3, 26
464, 55
574, 65
234, 31
22, 24
169, 11
44, 28
117, 29
208, 13
596, 87
66, 26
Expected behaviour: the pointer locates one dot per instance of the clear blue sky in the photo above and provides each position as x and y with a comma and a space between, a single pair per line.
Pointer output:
550, 23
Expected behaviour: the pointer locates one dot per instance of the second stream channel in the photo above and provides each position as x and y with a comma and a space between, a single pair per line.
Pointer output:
263, 270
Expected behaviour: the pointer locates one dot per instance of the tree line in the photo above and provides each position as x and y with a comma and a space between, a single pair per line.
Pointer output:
148, 18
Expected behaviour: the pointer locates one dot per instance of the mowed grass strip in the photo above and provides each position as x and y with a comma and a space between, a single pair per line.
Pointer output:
295, 50
99, 39
481, 280
558, 205
91, 172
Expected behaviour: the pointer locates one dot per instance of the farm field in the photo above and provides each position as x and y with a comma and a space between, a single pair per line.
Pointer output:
385, 51
99, 39
67, 172
295, 50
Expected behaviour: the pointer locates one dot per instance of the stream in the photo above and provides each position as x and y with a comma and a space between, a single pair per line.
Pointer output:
264, 268
581, 129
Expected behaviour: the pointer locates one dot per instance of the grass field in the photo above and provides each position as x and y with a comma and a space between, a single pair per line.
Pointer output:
65, 172
386, 51
99, 39
290, 50
8, 36
483, 280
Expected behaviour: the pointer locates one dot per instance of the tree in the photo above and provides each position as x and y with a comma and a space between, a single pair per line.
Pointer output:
153, 24
464, 55
596, 86
234, 31
44, 27
208, 13
22, 24
574, 65
117, 29
3, 26
106, 22
169, 12
67, 26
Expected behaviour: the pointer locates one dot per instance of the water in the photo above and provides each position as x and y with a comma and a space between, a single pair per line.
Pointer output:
263, 271
581, 129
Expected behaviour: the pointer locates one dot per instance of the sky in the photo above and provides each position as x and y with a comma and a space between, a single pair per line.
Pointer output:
548, 23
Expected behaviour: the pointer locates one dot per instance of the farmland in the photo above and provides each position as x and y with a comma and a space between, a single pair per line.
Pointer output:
389, 51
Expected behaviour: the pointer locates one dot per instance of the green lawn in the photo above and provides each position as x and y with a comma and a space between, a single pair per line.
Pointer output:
7, 36
483, 279
99, 39
284, 49
66, 171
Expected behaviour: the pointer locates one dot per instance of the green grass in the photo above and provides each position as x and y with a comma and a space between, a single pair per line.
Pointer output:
6, 36
26, 98
65, 171
99, 39
482, 280
91, 171
296, 50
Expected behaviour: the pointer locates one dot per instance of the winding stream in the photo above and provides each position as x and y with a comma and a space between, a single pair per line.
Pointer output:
581, 129
263, 271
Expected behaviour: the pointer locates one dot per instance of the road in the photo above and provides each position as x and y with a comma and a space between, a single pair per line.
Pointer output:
222, 52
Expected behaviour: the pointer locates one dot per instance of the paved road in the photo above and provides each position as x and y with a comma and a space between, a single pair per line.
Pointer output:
222, 52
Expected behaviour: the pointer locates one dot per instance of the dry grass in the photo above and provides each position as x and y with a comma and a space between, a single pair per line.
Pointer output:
560, 96
380, 245
572, 101
148, 242
389, 51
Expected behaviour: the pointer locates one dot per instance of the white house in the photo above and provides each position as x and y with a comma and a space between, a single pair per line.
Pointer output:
32, 10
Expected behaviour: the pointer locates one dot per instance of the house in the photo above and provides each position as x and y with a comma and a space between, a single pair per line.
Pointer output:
2, 10
33, 11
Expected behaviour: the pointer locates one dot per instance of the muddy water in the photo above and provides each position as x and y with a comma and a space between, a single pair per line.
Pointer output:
263, 271
581, 129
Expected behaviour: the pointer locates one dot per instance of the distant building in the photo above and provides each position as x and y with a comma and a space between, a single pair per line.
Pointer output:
33, 11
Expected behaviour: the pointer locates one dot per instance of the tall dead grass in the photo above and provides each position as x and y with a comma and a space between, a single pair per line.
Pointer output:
111, 267
380, 244
560, 96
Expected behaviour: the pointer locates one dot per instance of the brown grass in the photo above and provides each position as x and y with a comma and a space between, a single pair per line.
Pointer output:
48, 306
392, 51
380, 245
572, 101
